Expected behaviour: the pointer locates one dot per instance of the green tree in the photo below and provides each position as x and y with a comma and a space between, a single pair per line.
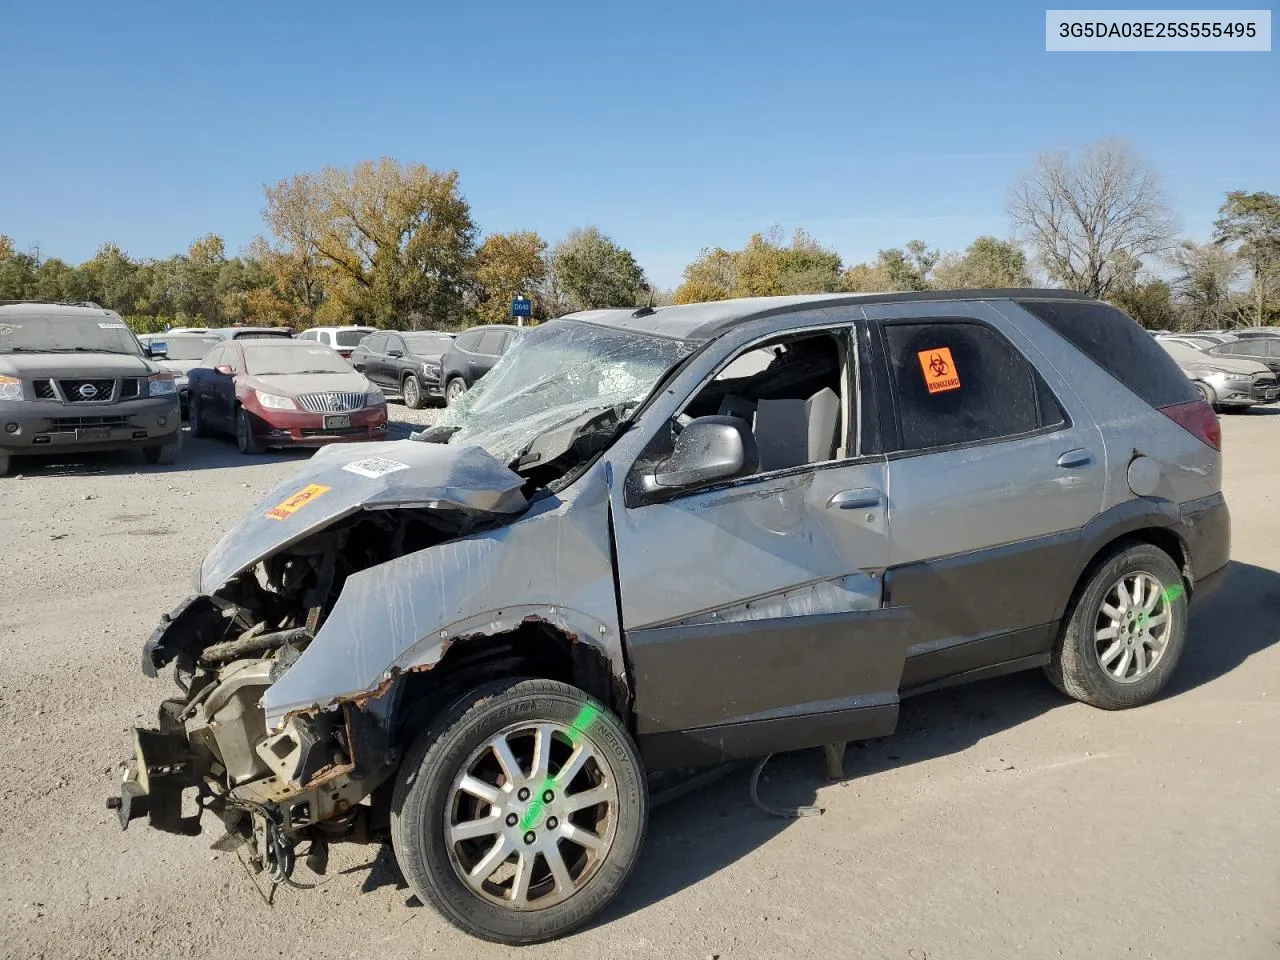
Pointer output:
894, 269
593, 271
508, 264
764, 267
986, 263
397, 242
1251, 221
1206, 274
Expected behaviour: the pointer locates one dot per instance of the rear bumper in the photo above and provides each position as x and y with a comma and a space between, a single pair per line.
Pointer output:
1206, 530
35, 427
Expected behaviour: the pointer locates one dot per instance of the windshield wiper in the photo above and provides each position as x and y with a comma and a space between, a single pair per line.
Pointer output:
117, 353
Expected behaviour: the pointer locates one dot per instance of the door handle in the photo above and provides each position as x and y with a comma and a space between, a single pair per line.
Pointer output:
1075, 458
855, 499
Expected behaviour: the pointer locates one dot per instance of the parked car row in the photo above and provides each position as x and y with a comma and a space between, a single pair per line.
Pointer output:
1231, 371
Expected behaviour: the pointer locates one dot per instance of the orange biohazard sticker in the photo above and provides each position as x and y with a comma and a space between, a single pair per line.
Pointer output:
939, 370
295, 503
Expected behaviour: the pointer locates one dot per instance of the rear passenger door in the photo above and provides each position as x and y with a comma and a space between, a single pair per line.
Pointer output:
992, 473
374, 357
487, 353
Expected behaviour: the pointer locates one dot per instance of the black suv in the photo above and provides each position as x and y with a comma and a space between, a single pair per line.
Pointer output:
407, 363
73, 378
473, 355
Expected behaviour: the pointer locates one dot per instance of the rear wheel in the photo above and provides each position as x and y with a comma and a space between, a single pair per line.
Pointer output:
412, 393
456, 388
1125, 634
520, 812
6, 463
245, 439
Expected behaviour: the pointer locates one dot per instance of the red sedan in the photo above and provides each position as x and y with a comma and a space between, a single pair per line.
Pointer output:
283, 393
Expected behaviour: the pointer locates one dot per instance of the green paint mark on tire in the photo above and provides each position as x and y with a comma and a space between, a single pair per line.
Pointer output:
1168, 595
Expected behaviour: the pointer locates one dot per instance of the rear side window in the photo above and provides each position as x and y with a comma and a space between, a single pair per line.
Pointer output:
491, 343
957, 382
1119, 346
467, 342
1244, 348
375, 342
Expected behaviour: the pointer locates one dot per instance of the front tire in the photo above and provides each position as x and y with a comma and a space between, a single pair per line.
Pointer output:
165, 455
194, 418
520, 812
1125, 633
1207, 394
412, 393
245, 440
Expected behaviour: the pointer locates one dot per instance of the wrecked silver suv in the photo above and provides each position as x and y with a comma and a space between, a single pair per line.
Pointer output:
659, 539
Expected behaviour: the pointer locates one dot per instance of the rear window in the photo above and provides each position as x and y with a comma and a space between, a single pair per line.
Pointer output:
349, 338
262, 335
1118, 345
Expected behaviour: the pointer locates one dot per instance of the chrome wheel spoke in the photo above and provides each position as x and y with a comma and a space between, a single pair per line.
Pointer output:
605, 793
1122, 667
479, 789
1136, 593
583, 838
471, 829
1108, 656
559, 872
1107, 633
520, 882
1123, 593
490, 862
1139, 659
1157, 620
510, 765
1112, 613
573, 766
541, 753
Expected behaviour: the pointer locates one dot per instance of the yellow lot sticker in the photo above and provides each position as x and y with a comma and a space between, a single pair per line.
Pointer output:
299, 500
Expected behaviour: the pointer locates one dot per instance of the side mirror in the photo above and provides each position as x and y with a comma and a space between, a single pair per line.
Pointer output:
393, 352
709, 449
224, 370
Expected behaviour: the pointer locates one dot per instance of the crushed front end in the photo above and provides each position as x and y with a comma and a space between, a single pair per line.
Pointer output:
266, 590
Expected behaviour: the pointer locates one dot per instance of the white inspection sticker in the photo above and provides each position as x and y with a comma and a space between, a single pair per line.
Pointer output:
111, 326
374, 467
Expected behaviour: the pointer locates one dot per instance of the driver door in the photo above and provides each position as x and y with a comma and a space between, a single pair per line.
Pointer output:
753, 609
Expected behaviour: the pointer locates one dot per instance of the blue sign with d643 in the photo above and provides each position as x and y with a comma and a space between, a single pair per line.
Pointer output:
522, 307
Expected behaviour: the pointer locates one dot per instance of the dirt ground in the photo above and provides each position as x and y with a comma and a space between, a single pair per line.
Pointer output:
1002, 820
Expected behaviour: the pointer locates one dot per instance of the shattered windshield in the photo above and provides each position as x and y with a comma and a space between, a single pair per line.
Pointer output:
553, 374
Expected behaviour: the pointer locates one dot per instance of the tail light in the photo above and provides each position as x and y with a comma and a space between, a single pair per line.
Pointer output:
1198, 419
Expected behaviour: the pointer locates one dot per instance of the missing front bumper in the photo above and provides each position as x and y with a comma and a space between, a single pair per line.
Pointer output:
163, 768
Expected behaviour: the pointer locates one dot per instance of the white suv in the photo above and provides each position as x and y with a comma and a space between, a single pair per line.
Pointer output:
342, 339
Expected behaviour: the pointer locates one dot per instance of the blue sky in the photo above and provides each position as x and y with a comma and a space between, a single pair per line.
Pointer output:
670, 125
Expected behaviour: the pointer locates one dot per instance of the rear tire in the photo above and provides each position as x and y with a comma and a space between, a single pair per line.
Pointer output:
411, 390
454, 391
530, 819
245, 440
1118, 649
6, 463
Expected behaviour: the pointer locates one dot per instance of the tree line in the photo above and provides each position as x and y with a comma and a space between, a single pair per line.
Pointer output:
396, 246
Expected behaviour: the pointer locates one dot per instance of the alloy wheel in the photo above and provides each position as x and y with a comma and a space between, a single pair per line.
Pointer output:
411, 393
532, 815
1133, 626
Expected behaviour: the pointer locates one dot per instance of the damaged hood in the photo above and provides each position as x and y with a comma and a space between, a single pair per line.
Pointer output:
342, 479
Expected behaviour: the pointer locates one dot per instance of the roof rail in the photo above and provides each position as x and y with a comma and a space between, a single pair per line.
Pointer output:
57, 303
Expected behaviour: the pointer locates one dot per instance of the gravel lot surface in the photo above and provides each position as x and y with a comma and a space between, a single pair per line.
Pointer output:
1002, 821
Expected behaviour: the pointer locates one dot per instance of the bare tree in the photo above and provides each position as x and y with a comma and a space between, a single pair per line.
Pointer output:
1206, 276
1085, 214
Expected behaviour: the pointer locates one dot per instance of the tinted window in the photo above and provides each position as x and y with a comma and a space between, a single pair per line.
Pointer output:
491, 343
1244, 348
395, 343
349, 338
469, 340
375, 343
963, 383
309, 335
1119, 346
426, 345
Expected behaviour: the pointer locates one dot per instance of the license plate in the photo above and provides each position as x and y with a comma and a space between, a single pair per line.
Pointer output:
337, 423
93, 433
